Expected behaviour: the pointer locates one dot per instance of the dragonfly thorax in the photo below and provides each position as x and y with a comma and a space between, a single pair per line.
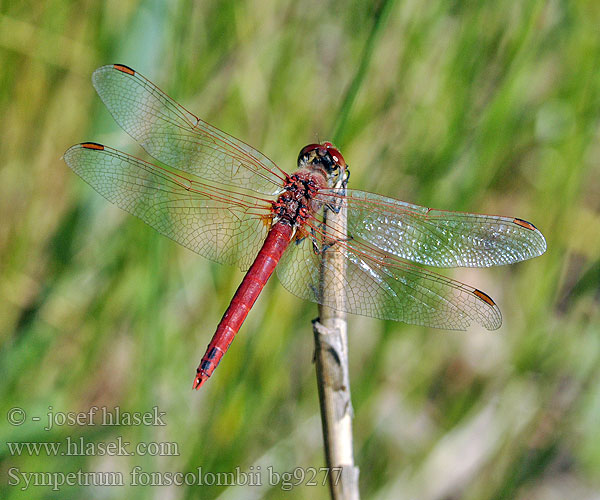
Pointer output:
294, 204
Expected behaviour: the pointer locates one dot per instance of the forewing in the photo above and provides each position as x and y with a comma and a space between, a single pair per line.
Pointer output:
385, 287
224, 226
435, 237
174, 136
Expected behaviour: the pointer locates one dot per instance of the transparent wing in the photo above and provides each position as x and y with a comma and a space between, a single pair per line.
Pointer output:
435, 237
382, 286
222, 225
174, 136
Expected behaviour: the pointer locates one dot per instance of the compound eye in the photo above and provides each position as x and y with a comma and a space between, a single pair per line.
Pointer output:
307, 149
337, 157
335, 154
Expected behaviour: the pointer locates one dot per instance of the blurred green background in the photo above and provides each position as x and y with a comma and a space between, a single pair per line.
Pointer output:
478, 106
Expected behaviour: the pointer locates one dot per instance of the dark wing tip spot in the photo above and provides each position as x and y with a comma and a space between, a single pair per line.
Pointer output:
124, 69
525, 224
92, 145
484, 296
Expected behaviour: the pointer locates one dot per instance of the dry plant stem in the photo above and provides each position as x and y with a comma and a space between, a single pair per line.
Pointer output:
331, 359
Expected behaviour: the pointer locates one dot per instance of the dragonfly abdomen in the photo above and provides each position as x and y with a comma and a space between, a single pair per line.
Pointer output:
256, 278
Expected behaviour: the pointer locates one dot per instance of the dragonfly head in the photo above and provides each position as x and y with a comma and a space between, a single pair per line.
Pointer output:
326, 157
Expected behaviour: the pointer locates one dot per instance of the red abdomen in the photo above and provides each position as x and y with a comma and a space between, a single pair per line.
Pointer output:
257, 276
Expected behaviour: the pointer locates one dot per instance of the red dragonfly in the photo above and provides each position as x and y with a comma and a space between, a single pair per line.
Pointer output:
227, 201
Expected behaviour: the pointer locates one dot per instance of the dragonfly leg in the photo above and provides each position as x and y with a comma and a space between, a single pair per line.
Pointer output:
338, 206
339, 240
324, 248
335, 208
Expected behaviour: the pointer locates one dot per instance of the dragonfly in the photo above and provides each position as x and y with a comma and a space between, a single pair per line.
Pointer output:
228, 202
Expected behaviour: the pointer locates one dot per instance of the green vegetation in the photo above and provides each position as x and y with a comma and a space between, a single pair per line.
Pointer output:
487, 107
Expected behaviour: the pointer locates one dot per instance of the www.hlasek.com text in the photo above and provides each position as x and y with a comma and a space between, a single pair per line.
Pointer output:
80, 447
